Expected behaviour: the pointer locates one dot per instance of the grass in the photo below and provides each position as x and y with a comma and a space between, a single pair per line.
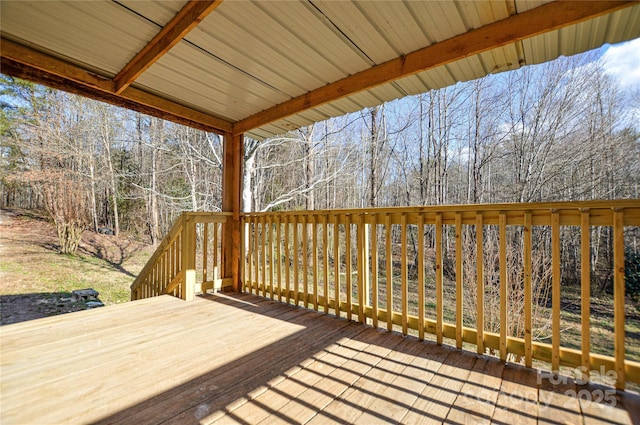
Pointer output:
30, 263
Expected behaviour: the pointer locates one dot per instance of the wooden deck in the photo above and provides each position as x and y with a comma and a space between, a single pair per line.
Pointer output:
242, 359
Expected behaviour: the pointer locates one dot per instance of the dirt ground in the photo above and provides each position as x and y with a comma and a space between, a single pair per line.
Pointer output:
36, 281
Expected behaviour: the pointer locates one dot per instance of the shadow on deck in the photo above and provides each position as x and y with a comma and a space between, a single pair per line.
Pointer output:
236, 358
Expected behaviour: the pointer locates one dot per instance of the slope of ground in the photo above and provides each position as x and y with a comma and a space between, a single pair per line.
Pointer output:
36, 281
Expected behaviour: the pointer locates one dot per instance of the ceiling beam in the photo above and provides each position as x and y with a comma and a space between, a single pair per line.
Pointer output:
23, 62
548, 17
187, 19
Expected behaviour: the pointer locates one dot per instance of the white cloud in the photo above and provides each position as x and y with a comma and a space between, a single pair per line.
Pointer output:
622, 61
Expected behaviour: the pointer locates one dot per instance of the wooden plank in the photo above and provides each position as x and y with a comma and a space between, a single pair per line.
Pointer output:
558, 400
305, 262
205, 248
503, 286
360, 248
404, 274
479, 283
316, 400
270, 234
478, 396
528, 296
256, 254
436, 399
336, 263
263, 234
389, 271
519, 26
224, 385
388, 390
278, 256
518, 399
273, 396
248, 240
439, 285
585, 287
314, 259
296, 255
191, 14
459, 290
618, 296
348, 265
421, 282
349, 390
287, 259
555, 290
325, 262
374, 273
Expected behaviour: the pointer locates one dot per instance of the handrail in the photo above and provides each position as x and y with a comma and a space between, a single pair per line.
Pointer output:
338, 260
172, 267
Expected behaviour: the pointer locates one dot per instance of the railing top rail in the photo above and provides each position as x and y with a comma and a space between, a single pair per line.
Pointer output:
516, 206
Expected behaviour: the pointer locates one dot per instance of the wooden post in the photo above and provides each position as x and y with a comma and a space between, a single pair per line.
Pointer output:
188, 257
231, 202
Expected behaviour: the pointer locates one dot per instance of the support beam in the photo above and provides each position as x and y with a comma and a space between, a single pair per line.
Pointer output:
187, 19
548, 17
22, 62
231, 202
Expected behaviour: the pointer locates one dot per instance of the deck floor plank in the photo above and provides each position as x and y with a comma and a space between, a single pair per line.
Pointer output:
238, 358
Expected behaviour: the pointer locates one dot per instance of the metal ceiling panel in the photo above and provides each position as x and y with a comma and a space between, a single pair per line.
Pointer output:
574, 39
248, 56
186, 72
101, 36
159, 12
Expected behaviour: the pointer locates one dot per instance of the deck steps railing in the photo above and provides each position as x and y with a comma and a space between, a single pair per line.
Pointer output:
483, 276
187, 261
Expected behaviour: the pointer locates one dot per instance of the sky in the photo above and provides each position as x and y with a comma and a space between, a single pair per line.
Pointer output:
622, 61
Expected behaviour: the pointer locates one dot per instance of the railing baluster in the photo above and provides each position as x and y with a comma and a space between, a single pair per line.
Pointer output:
336, 262
263, 226
314, 259
404, 274
217, 228
347, 258
421, 283
266, 250
585, 287
555, 291
305, 261
296, 256
361, 250
439, 285
503, 285
528, 296
389, 271
325, 262
618, 296
256, 255
287, 259
459, 290
248, 241
205, 248
279, 256
479, 283
374, 271
270, 235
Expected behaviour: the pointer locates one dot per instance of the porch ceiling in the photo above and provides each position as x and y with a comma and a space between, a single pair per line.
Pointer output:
265, 67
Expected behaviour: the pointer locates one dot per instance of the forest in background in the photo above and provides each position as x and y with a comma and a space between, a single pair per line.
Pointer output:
558, 131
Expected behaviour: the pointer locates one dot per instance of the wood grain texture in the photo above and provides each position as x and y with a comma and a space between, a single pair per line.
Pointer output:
238, 358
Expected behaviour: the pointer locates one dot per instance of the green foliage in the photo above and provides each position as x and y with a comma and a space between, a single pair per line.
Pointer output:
632, 273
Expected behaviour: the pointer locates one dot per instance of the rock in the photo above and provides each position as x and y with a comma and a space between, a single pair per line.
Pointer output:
94, 304
84, 294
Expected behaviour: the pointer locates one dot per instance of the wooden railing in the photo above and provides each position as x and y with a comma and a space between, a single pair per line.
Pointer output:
187, 261
501, 289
